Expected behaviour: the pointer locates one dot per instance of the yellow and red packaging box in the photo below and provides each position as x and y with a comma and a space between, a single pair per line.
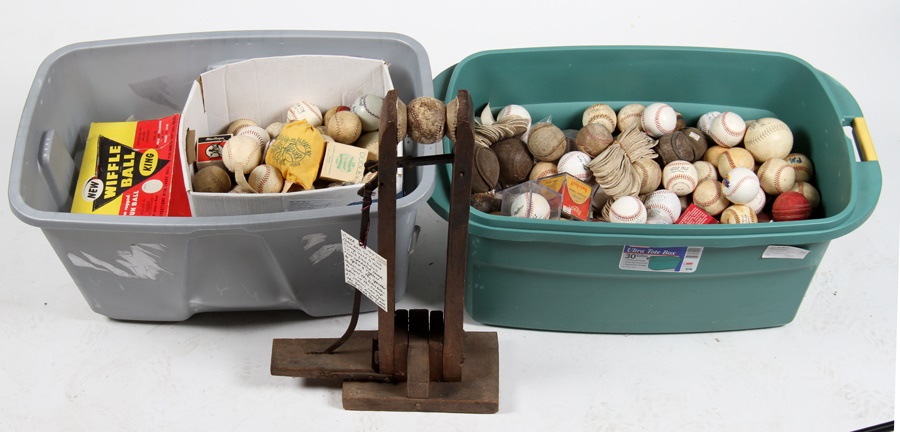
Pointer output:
576, 195
132, 168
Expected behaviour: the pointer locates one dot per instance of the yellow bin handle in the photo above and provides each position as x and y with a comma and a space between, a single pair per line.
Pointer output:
863, 140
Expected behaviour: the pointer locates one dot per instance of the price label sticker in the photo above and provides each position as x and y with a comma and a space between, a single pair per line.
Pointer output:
659, 259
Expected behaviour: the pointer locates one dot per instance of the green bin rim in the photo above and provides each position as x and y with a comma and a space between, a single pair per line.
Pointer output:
866, 177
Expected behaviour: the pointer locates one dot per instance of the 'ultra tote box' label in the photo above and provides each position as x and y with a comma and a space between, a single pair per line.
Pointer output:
668, 259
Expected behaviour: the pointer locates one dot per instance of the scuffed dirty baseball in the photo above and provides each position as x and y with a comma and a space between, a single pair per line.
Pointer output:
426, 120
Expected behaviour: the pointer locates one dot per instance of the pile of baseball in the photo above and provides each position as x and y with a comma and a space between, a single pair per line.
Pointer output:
647, 165
244, 153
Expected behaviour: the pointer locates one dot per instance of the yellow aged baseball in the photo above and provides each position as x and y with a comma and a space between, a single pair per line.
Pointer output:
211, 179
650, 174
241, 153
344, 126
803, 167
776, 176
629, 116
733, 158
274, 129
602, 114
809, 192
258, 133
738, 214
266, 179
239, 123
712, 154
708, 196
680, 177
543, 169
706, 171
769, 138
546, 142
369, 141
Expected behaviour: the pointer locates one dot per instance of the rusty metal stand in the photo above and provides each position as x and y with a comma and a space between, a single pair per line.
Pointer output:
418, 360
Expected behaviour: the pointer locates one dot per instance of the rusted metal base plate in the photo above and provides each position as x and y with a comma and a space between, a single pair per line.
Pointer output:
477, 393
301, 358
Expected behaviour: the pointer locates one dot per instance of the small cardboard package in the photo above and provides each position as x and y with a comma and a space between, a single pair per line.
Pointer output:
263, 90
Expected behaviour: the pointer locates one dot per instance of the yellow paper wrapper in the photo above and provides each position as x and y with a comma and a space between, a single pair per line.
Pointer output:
297, 153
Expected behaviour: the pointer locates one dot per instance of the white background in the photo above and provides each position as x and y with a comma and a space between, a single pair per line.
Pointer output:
63, 367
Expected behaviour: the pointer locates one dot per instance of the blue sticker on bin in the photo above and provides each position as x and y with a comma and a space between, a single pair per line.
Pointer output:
681, 259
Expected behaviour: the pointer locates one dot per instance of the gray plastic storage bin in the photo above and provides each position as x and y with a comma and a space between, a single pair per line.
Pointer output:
167, 269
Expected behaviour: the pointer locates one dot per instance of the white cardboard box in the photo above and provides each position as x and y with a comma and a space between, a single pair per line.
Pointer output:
264, 89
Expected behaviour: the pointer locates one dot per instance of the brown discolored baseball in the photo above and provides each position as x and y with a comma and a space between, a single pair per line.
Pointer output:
486, 202
487, 170
515, 161
593, 139
675, 146
426, 118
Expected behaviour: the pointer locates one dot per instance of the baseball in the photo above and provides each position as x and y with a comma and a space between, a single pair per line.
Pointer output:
426, 118
758, 203
629, 116
740, 186
593, 139
628, 209
602, 114
258, 133
706, 120
808, 191
487, 170
369, 141
368, 108
663, 204
530, 205
345, 127
241, 153
305, 110
239, 123
547, 142
727, 129
543, 169
266, 179
650, 174
274, 129
733, 158
575, 163
680, 177
791, 206
211, 179
738, 214
709, 197
675, 146
769, 138
658, 119
776, 176
516, 110
698, 141
514, 160
712, 154
803, 168
706, 171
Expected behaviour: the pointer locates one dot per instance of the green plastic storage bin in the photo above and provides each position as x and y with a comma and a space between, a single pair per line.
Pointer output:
566, 276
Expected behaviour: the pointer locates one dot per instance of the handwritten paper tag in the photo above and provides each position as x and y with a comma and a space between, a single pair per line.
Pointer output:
365, 270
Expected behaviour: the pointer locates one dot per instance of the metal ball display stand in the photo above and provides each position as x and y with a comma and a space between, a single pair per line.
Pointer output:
419, 359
